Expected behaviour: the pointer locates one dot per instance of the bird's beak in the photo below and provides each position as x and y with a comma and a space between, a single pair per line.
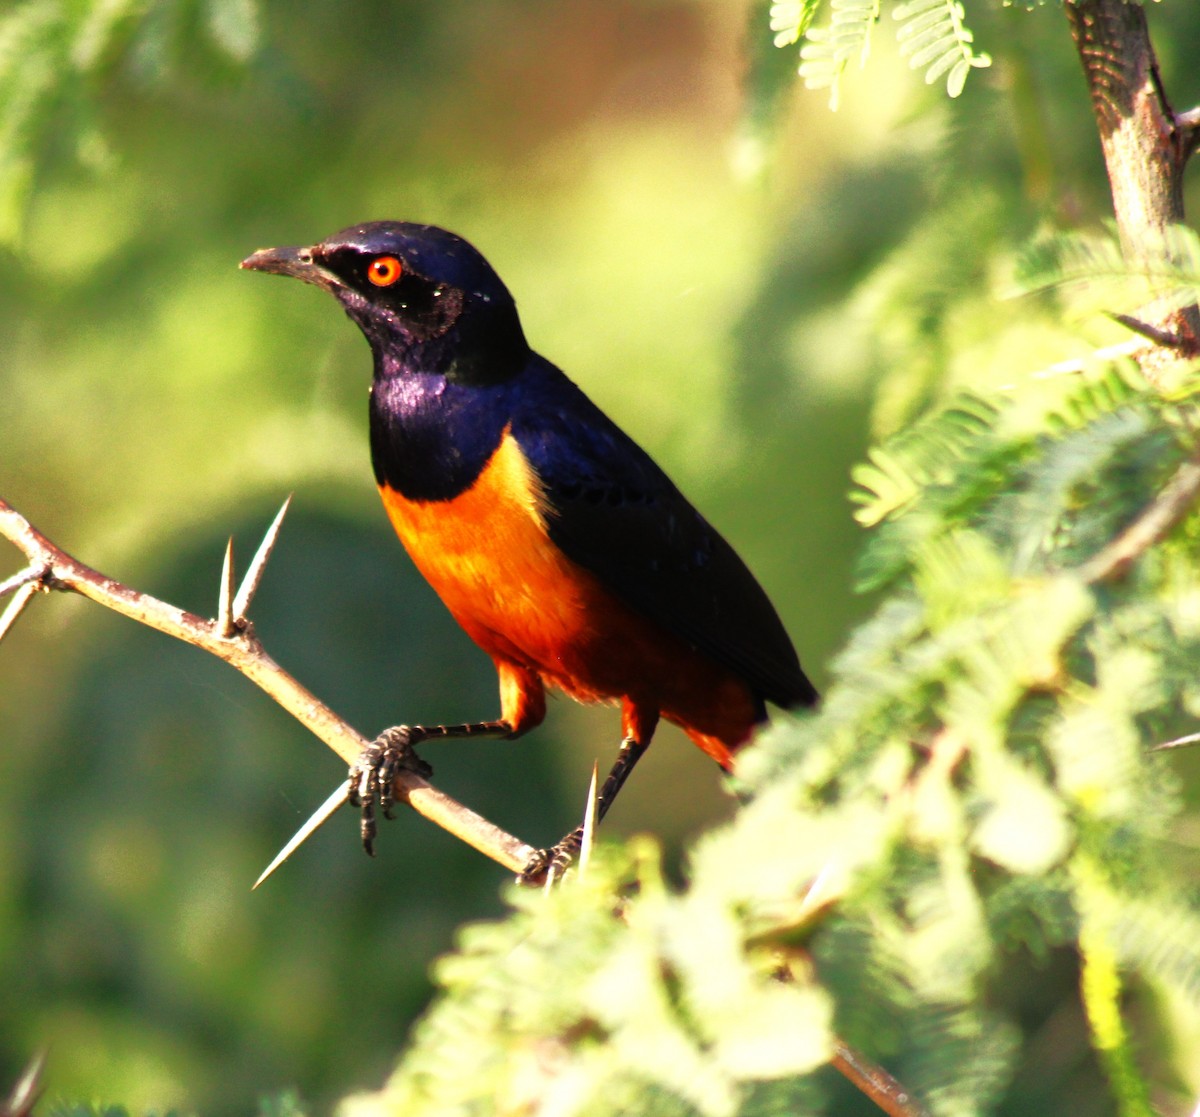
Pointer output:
296, 262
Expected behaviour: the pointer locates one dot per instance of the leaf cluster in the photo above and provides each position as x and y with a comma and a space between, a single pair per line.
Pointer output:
54, 55
932, 34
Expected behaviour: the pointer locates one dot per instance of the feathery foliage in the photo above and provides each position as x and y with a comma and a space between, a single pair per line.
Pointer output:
932, 35
1092, 269
828, 50
934, 38
52, 55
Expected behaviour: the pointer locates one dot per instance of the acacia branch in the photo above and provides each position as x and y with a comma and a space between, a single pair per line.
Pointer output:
51, 568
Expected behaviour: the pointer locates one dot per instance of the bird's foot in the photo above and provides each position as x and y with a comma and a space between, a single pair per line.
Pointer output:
373, 775
550, 864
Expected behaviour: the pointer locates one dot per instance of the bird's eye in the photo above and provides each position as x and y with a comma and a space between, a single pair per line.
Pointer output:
383, 271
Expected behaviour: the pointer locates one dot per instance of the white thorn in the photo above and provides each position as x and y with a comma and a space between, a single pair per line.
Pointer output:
588, 838
319, 817
22, 578
28, 1085
225, 623
1178, 743
15, 607
258, 565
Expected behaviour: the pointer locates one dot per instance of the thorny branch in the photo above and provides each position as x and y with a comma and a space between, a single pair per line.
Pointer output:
50, 568
230, 636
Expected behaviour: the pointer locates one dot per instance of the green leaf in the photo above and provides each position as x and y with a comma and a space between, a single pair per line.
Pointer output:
935, 39
1094, 270
790, 19
828, 50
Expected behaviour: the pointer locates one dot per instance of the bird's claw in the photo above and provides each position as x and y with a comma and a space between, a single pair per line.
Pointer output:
373, 776
552, 863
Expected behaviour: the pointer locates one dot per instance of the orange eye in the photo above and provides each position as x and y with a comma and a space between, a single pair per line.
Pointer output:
383, 271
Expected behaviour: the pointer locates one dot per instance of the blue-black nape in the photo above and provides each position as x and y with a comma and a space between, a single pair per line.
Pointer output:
433, 252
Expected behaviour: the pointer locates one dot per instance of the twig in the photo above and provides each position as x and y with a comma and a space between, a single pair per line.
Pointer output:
875, 1082
243, 651
1187, 128
864, 1075
22, 598
1174, 502
31, 573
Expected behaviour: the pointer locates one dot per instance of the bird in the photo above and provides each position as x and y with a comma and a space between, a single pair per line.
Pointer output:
555, 541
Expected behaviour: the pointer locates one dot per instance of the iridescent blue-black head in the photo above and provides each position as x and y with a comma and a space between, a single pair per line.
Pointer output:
426, 300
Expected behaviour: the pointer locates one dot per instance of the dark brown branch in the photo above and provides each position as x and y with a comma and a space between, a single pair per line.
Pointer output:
1146, 147
1185, 346
56, 570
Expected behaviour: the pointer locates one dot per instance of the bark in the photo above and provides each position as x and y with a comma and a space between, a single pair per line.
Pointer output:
1146, 146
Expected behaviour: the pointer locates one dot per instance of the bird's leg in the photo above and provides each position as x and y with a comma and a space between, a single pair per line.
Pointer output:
558, 857
373, 775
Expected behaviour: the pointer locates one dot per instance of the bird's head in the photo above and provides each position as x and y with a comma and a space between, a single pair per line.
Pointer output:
426, 300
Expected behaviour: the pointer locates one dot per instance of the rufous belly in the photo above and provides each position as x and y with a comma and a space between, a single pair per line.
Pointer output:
489, 557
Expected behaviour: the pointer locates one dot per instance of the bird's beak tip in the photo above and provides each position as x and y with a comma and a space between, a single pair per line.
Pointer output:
272, 260
299, 263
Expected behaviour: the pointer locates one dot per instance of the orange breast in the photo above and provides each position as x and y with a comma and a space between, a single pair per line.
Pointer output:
489, 557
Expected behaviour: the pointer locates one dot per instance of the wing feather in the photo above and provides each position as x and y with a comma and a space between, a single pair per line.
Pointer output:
613, 511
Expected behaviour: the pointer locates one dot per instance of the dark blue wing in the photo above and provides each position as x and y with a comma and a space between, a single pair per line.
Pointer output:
615, 513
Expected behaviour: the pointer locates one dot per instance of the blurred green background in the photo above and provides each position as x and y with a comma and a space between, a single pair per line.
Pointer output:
734, 277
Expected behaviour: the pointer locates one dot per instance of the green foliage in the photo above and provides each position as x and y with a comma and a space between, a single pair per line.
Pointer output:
827, 50
287, 1104
1092, 269
969, 847
96, 1109
934, 38
932, 35
790, 19
52, 55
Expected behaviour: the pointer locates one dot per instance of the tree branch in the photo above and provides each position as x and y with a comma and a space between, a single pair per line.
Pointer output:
1146, 147
1177, 499
1187, 125
872, 1080
53, 569
50, 568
